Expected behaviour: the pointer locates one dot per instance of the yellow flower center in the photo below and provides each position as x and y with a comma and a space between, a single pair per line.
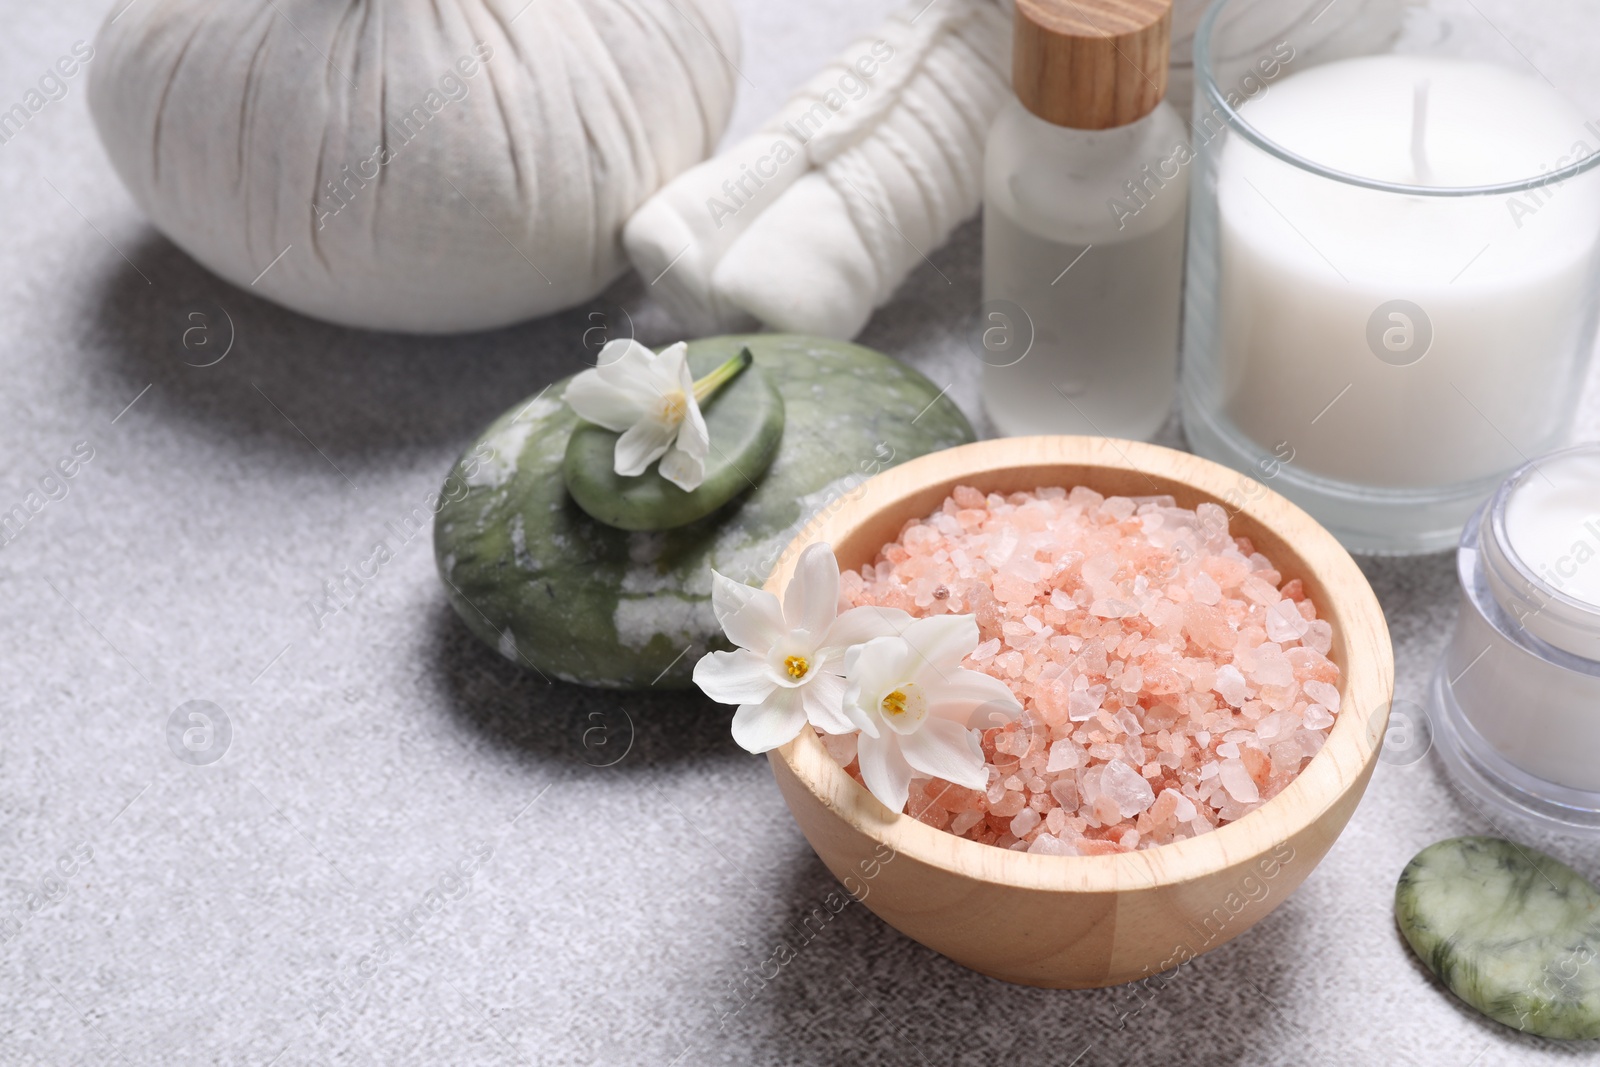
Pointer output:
895, 703
797, 666
673, 407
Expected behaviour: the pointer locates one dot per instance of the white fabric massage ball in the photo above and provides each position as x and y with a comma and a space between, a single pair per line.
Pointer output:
418, 165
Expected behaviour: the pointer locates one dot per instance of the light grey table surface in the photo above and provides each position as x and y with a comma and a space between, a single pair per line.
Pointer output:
228, 911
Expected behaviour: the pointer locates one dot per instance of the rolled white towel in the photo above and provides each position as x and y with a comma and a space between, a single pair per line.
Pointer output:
812, 223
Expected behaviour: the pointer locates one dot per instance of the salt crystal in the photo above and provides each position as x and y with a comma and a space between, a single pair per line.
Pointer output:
964, 496
1046, 845
1186, 810
1259, 591
1205, 589
1009, 589
1083, 706
1322, 693
1274, 726
1127, 722
1134, 632
1065, 792
1127, 787
1063, 757
842, 747
1231, 685
1012, 742
1237, 781
1319, 636
965, 821
1024, 823
1119, 507
1269, 666
1112, 608
996, 789
1284, 622
1318, 717
1010, 804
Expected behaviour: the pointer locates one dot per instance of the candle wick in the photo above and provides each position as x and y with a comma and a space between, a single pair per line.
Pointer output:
1419, 134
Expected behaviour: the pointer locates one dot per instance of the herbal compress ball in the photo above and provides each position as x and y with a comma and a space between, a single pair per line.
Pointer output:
403, 165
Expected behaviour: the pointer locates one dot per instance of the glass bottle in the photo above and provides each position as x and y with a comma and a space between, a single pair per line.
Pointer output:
1085, 210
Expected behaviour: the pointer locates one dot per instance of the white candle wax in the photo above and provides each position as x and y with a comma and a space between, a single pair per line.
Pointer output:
1396, 340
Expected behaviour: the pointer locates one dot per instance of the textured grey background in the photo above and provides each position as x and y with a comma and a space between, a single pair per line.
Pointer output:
226, 904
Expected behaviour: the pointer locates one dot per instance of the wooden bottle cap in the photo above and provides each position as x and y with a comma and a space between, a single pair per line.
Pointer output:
1091, 64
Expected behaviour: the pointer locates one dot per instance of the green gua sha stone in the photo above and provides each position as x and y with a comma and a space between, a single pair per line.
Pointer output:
745, 421
1508, 929
533, 575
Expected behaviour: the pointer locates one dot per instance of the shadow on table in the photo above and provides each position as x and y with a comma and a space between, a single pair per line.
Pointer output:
623, 731
857, 991
279, 379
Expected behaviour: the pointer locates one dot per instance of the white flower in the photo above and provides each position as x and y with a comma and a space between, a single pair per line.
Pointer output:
789, 666
915, 706
654, 403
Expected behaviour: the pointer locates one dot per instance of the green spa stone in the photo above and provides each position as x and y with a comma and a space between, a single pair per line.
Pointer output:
1508, 929
537, 578
745, 421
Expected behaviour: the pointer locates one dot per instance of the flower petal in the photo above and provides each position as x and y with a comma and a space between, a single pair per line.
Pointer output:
875, 668
728, 596
942, 642
603, 404
971, 698
862, 720
857, 626
823, 695
693, 437
642, 444
756, 623
811, 601
943, 749
669, 370
683, 470
884, 770
770, 724
625, 363
740, 677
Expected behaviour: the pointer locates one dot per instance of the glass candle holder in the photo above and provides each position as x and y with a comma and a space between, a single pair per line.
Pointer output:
1393, 278
1516, 700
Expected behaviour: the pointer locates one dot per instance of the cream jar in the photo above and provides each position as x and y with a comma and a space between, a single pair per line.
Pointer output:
1516, 701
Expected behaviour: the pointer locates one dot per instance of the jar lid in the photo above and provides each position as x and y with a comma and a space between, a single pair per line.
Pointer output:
1091, 64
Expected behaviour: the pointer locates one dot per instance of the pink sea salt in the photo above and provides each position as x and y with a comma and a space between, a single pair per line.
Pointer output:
1171, 680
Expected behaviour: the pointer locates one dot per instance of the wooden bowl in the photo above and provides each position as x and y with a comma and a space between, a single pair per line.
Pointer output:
1086, 921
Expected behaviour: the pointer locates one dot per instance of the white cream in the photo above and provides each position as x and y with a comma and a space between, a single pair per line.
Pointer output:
1552, 521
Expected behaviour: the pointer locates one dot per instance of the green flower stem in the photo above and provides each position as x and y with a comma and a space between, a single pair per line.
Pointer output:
722, 376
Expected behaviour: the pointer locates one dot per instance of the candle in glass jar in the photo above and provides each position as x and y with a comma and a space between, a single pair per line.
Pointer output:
1405, 340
